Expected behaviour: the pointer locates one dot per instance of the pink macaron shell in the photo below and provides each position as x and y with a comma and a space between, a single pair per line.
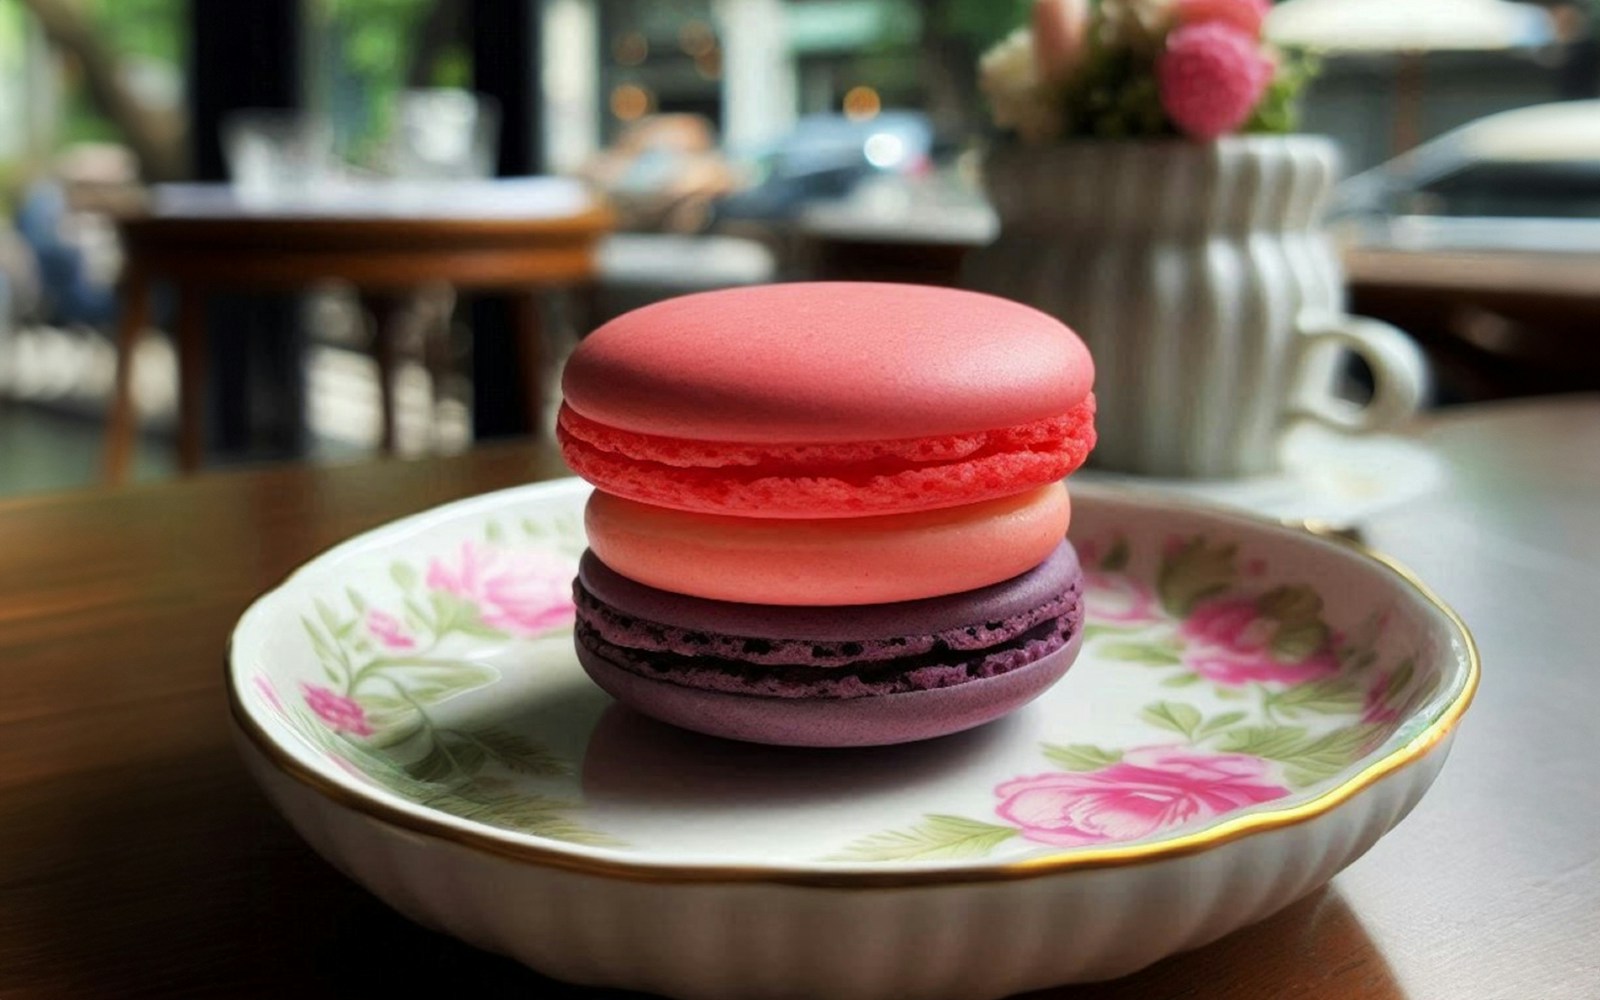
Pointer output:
821, 362
838, 561
833, 722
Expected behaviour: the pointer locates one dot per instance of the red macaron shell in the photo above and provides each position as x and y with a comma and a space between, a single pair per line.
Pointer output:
827, 362
848, 479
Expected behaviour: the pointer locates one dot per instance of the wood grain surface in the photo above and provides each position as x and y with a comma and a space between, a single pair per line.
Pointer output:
137, 859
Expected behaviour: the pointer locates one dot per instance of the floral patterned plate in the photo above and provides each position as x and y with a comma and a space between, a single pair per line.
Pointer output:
412, 701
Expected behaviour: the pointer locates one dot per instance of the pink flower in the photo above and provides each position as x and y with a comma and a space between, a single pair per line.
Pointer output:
269, 694
343, 715
1119, 598
1245, 15
524, 595
1211, 77
1151, 789
386, 628
1230, 643
1059, 30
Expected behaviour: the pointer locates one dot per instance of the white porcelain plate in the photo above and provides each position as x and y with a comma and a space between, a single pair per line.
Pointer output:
1253, 707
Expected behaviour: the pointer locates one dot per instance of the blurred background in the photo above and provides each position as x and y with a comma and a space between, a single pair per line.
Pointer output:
729, 141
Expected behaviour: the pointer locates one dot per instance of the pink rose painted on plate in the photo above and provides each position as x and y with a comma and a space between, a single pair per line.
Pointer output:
1230, 643
1149, 790
388, 631
1119, 599
342, 715
524, 595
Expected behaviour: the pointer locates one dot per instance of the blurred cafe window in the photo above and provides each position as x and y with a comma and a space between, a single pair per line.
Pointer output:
376, 66
77, 72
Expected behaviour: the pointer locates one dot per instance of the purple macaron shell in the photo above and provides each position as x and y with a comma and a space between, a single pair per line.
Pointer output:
948, 618
834, 722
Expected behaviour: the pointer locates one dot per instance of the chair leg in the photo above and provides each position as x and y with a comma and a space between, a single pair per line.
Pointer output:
385, 313
121, 420
437, 352
191, 378
526, 319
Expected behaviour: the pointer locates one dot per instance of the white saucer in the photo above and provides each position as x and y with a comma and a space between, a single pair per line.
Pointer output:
1327, 477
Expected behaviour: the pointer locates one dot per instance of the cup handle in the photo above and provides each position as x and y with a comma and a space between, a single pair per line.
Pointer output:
1399, 373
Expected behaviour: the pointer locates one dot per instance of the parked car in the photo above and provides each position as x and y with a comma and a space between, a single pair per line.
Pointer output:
1527, 179
825, 157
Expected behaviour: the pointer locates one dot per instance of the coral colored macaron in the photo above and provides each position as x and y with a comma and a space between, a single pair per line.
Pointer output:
819, 400
829, 561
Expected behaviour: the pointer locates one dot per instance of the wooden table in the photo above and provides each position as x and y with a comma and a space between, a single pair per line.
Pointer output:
137, 859
510, 237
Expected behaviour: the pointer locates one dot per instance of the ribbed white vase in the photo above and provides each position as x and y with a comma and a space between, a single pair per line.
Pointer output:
1203, 281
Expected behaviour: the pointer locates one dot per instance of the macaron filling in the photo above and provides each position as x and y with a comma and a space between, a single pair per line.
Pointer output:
940, 665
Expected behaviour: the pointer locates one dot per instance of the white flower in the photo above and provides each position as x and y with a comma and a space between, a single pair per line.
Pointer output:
1140, 25
1009, 77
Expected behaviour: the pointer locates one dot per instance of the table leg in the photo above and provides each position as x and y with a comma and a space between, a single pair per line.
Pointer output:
191, 333
527, 321
121, 420
385, 311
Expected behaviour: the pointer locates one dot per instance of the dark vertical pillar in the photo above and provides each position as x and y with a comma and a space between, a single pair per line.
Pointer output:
505, 65
247, 55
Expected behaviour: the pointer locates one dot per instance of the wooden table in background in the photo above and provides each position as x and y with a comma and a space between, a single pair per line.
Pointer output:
137, 858
514, 238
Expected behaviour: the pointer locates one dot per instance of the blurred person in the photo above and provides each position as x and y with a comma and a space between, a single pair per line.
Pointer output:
663, 173
64, 218
1579, 34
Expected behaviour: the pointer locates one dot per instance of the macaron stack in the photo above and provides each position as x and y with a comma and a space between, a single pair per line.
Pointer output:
828, 514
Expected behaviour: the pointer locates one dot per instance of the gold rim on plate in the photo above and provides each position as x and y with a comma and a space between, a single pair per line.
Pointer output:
842, 877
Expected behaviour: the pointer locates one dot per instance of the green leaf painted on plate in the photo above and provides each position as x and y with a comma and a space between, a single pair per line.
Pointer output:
518, 753
1290, 604
519, 811
1329, 696
320, 644
404, 576
1094, 630
1151, 654
1400, 680
357, 602
330, 621
936, 838
1116, 559
1173, 715
1217, 723
426, 683
493, 533
1294, 643
1080, 756
1193, 573
1181, 681
1307, 758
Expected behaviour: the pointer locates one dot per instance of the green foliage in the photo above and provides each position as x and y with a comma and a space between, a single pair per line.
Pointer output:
1307, 758
1193, 573
936, 838
1080, 756
1114, 96
981, 22
1279, 110
154, 29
